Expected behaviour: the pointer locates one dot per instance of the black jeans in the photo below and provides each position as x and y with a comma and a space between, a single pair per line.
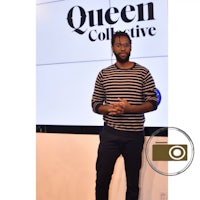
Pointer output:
114, 143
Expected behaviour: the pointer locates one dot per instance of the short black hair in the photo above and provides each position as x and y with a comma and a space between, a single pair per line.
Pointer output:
120, 34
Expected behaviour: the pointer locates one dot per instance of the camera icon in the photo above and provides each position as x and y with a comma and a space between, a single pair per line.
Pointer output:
169, 152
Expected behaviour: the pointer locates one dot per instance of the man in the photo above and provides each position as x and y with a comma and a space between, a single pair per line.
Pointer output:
123, 93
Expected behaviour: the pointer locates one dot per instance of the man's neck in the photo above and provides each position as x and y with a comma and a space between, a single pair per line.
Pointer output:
126, 65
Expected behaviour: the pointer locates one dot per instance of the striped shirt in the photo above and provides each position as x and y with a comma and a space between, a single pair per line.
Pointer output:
136, 85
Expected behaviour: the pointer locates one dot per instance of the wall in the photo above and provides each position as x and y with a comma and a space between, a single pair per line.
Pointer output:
65, 165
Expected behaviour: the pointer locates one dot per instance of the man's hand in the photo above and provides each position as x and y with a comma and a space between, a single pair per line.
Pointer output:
115, 109
123, 106
118, 108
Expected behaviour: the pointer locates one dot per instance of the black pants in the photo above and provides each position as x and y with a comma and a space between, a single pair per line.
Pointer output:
114, 143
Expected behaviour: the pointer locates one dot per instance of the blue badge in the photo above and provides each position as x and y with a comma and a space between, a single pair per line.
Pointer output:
158, 95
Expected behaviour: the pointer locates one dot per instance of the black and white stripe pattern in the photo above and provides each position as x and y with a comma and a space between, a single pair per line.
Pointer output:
136, 85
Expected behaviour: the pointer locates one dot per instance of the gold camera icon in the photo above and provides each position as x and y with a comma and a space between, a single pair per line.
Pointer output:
169, 152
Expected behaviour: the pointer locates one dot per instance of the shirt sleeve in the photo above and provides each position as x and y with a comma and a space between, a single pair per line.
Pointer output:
98, 97
149, 90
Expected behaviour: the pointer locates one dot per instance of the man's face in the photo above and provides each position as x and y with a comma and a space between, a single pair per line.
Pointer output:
122, 48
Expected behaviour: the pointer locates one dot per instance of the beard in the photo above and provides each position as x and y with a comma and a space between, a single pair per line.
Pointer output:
122, 59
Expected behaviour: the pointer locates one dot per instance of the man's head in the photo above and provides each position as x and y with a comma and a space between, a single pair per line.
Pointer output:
121, 46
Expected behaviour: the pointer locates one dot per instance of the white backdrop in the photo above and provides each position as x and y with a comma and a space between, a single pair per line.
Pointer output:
68, 62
